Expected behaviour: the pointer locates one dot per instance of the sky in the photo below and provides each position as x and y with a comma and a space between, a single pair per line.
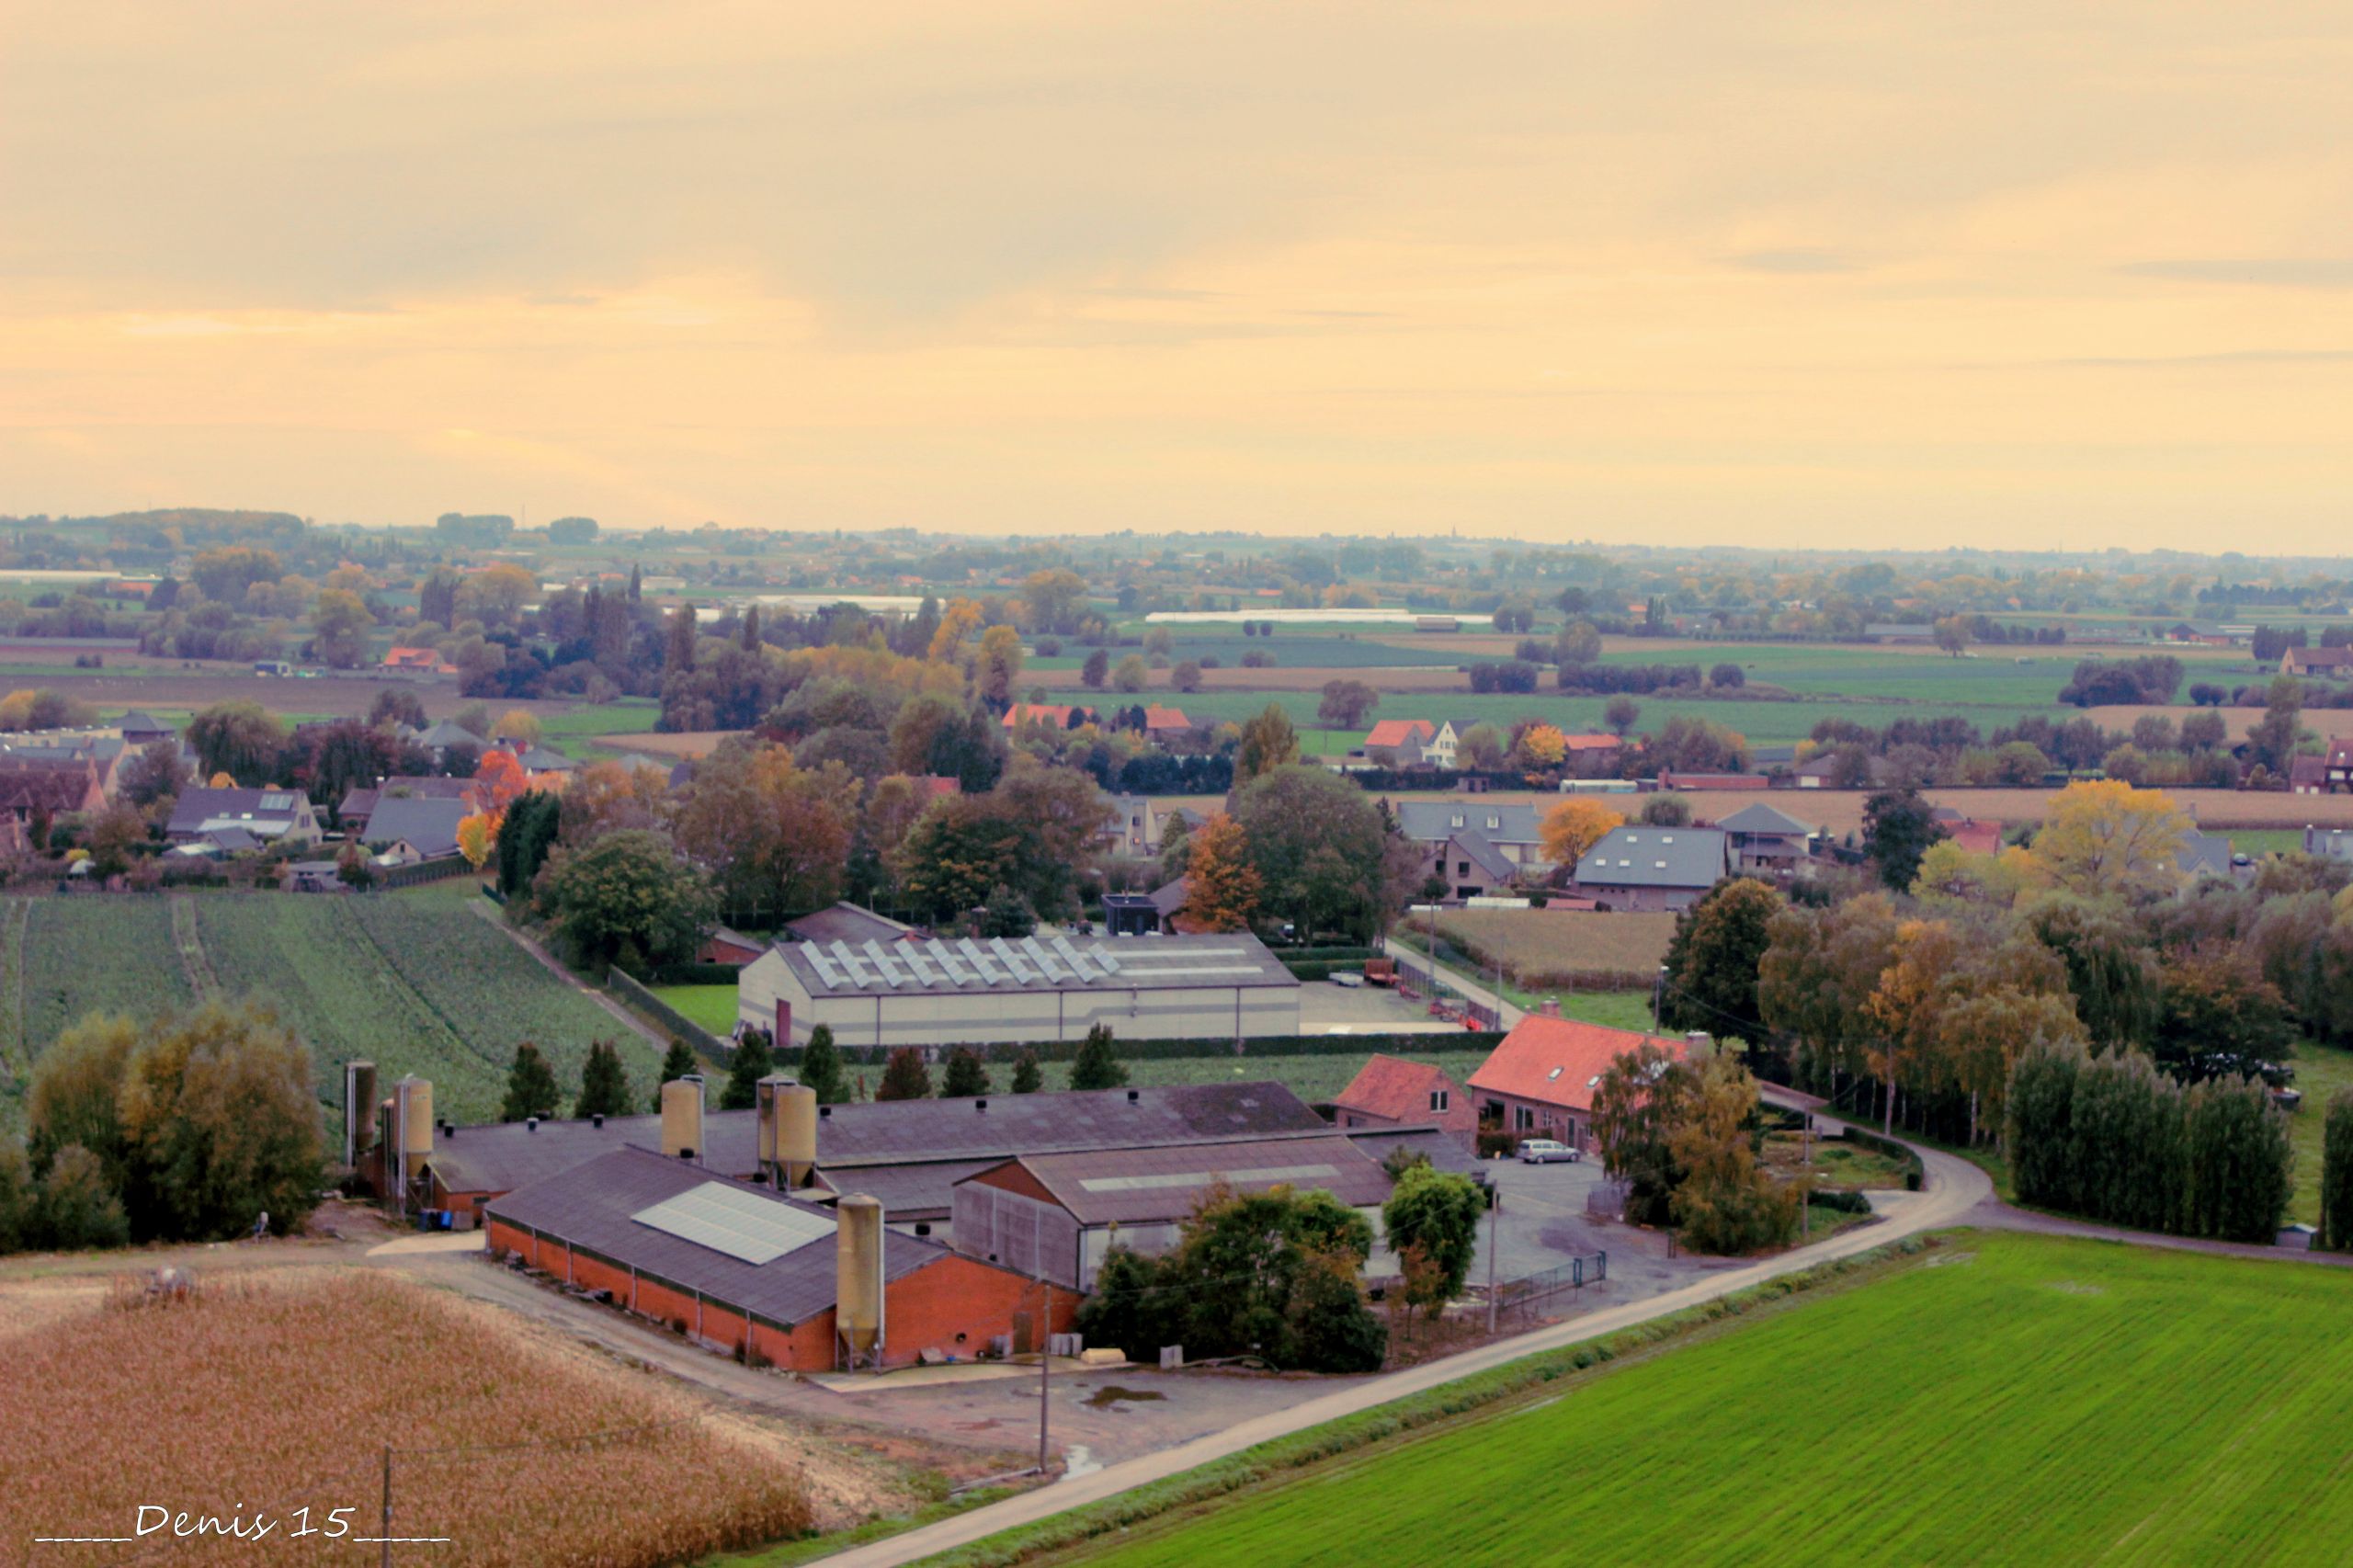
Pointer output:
2004, 274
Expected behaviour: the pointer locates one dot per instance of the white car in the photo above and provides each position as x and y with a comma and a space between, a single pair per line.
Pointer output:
1544, 1151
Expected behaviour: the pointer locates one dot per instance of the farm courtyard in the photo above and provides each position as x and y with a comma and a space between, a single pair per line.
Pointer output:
1999, 1397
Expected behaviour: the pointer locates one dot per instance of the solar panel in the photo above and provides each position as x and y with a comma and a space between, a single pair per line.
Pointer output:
1050, 966
1110, 965
921, 967
885, 964
1073, 957
983, 964
1014, 960
741, 1224
954, 966
852, 966
823, 965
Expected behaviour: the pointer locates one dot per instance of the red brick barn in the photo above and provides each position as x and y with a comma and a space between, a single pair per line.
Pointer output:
1393, 1092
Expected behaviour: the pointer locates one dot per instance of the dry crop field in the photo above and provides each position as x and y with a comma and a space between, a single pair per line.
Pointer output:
280, 1394
1571, 950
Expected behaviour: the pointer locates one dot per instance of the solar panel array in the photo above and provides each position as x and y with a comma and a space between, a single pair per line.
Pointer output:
743, 1226
1052, 959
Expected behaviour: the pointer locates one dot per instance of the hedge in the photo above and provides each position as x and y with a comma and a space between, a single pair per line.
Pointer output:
2337, 1174
1480, 1040
1297, 1450
698, 974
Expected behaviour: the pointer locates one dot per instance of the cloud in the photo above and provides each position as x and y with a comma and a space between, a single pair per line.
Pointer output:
2258, 272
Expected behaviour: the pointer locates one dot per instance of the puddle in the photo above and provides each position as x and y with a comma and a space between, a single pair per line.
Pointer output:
1111, 1395
1079, 1460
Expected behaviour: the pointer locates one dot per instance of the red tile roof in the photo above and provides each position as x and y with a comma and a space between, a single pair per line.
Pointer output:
1401, 732
1158, 718
1559, 1061
1058, 714
1979, 837
1397, 1090
1592, 743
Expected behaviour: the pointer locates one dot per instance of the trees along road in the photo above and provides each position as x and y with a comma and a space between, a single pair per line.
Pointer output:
1953, 1187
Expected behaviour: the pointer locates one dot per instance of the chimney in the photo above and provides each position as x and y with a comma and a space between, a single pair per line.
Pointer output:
1699, 1039
980, 1104
530, 1124
1133, 1096
682, 1117
1549, 1008
597, 1119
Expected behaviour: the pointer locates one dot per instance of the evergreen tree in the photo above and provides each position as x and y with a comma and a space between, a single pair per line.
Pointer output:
531, 1085
1008, 914
967, 1078
678, 1063
752, 630
604, 1082
636, 581
1029, 1080
753, 1063
905, 1077
821, 1066
1096, 1067
2335, 1173
678, 650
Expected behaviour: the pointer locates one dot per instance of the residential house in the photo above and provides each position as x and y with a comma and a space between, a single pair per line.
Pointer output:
2309, 775
1540, 1080
102, 750
143, 729
360, 802
1471, 867
2332, 663
2203, 856
415, 827
1167, 726
1514, 829
540, 760
1390, 1091
1769, 842
1128, 830
2336, 766
417, 661
446, 735
1653, 867
42, 789
1398, 743
278, 816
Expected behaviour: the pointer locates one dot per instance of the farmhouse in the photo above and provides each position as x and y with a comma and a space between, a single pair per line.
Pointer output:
947, 991
1539, 1081
1653, 867
280, 816
736, 1266
50, 789
1054, 715
1390, 1091
2330, 662
1055, 1216
1399, 742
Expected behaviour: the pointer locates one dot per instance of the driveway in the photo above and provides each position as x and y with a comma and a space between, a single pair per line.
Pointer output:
1542, 1224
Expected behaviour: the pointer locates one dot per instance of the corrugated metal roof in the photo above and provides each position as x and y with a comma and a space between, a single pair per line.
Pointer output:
1128, 1186
593, 1206
1049, 961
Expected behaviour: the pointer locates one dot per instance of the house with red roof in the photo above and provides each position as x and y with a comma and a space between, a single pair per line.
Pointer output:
1166, 723
1539, 1081
1055, 715
1393, 1092
1407, 739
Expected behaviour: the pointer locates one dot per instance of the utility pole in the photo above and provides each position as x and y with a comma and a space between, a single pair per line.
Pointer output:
1045, 1374
1494, 1208
386, 1532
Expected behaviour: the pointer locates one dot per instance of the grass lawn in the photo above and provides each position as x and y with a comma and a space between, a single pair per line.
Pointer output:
2261, 841
1618, 1009
712, 1007
2006, 1398
2321, 1071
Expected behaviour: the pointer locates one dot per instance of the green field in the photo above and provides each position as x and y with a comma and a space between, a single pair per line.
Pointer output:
2004, 1398
712, 1007
414, 981
2321, 1071
577, 732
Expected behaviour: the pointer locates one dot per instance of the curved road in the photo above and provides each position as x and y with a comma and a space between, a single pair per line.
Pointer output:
1953, 1188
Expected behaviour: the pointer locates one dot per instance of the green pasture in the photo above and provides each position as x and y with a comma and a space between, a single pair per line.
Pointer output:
2321, 1071
2006, 1398
712, 1007
1309, 649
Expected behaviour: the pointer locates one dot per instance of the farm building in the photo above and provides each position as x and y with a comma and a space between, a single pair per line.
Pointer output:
723, 946
2330, 662
1056, 1215
1399, 742
946, 991
909, 1154
1390, 1091
735, 1265
1653, 867
845, 922
1538, 1082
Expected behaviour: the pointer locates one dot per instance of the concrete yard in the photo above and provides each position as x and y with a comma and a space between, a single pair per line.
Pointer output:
1326, 1008
1543, 1224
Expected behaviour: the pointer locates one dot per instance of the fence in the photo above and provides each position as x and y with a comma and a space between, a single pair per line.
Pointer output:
633, 994
1416, 976
437, 870
1533, 1294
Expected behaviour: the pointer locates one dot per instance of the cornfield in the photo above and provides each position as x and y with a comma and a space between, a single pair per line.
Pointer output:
260, 1398
1555, 950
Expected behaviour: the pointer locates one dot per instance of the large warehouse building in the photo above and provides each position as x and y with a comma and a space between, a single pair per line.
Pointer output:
949, 990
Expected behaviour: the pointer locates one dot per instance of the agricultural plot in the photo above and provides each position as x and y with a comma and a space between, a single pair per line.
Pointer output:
2007, 1398
1548, 949
2321, 1071
95, 954
271, 1396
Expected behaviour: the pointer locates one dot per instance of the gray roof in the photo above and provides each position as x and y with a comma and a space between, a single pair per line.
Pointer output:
925, 1190
1049, 961
2204, 854
139, 722
430, 824
1759, 817
449, 733
1655, 858
198, 809
1127, 1186
1433, 821
1169, 897
362, 800
1444, 1150
1491, 860
847, 921
590, 1207
928, 1136
232, 840
545, 759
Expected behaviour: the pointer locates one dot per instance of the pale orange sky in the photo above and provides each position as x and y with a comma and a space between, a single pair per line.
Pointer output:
2018, 274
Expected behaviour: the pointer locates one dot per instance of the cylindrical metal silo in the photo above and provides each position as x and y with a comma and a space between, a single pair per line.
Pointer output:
414, 1099
858, 1261
359, 1110
797, 1133
766, 1093
682, 1117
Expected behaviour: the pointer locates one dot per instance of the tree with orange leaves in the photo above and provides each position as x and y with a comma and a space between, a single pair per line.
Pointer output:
498, 780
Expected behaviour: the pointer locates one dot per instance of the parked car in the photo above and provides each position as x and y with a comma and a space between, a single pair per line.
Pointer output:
1346, 977
1544, 1151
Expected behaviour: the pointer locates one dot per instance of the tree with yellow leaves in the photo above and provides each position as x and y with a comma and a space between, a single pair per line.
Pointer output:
1542, 746
1221, 885
2105, 839
998, 664
958, 624
1572, 828
477, 837
519, 725
1905, 1006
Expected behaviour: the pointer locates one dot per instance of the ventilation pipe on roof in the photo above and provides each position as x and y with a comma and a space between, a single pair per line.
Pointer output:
980, 1104
596, 1119
1549, 1008
530, 1124
1133, 1096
